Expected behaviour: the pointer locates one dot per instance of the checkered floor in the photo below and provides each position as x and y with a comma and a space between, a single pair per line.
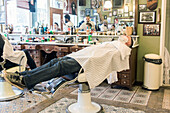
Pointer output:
136, 96
61, 105
166, 99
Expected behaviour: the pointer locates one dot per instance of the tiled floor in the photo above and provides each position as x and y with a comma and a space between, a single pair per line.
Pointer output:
166, 99
21, 104
136, 96
60, 107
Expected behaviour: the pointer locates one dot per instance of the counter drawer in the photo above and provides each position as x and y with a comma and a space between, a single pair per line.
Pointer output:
124, 82
61, 49
124, 75
30, 46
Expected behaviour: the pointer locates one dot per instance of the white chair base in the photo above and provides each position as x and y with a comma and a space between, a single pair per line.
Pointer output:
84, 105
6, 90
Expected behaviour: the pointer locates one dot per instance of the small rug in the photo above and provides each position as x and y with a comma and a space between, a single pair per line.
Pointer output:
166, 99
136, 96
21, 104
60, 107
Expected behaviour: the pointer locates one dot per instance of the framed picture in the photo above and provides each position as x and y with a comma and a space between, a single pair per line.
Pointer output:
105, 16
82, 13
95, 3
87, 11
151, 29
142, 7
114, 12
82, 2
118, 3
148, 17
106, 9
120, 11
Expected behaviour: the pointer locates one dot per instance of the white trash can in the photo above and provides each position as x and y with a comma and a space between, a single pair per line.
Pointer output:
152, 71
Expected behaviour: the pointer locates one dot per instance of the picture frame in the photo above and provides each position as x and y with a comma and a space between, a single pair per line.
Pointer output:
105, 17
106, 9
151, 29
88, 11
147, 17
120, 11
142, 7
82, 2
118, 3
82, 13
114, 12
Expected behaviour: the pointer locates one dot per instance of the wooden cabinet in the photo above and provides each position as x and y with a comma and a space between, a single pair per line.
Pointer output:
127, 78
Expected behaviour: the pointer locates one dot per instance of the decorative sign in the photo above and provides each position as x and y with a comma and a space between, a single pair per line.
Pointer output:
152, 4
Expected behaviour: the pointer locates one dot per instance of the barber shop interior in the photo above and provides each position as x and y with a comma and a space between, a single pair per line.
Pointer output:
84, 56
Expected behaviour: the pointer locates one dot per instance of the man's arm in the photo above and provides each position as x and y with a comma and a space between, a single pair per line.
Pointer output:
82, 26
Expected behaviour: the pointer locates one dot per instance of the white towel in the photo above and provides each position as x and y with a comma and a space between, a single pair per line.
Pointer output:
11, 55
101, 60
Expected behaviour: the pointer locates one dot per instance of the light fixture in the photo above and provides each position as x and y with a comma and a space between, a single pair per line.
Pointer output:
108, 4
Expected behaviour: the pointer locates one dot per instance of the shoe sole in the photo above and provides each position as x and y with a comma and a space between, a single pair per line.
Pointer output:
5, 77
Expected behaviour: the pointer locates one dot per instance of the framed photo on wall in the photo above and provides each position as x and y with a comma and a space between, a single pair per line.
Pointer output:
118, 3
142, 7
151, 29
115, 12
147, 17
87, 11
82, 13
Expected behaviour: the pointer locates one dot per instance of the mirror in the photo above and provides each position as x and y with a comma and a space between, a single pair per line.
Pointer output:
125, 12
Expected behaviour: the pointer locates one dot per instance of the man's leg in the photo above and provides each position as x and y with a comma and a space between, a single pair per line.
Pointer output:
49, 64
61, 67
30, 61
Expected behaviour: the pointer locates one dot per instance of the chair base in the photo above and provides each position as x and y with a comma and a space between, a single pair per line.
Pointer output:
93, 108
6, 90
9, 93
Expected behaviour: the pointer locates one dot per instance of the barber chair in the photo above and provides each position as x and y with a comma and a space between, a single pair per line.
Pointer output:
7, 92
84, 103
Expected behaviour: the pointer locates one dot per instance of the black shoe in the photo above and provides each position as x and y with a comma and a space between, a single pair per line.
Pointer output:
14, 79
55, 84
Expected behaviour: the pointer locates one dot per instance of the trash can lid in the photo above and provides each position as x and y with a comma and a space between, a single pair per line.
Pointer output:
152, 56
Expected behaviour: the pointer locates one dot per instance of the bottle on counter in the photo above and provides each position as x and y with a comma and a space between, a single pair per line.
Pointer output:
90, 38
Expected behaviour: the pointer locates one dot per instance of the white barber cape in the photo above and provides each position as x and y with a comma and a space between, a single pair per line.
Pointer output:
100, 61
11, 55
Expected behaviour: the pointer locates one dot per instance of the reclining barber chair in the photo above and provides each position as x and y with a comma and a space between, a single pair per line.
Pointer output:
7, 92
84, 103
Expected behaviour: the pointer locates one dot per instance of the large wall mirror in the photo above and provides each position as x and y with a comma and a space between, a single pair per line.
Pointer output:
124, 11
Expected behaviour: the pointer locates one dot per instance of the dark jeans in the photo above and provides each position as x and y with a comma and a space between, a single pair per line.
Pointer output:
55, 68
30, 62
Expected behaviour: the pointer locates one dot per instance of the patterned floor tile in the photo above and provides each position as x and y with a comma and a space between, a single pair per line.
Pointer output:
141, 97
109, 94
61, 108
166, 99
21, 104
136, 96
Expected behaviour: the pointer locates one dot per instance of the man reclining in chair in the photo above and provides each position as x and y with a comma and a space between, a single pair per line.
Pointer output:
13, 58
96, 61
